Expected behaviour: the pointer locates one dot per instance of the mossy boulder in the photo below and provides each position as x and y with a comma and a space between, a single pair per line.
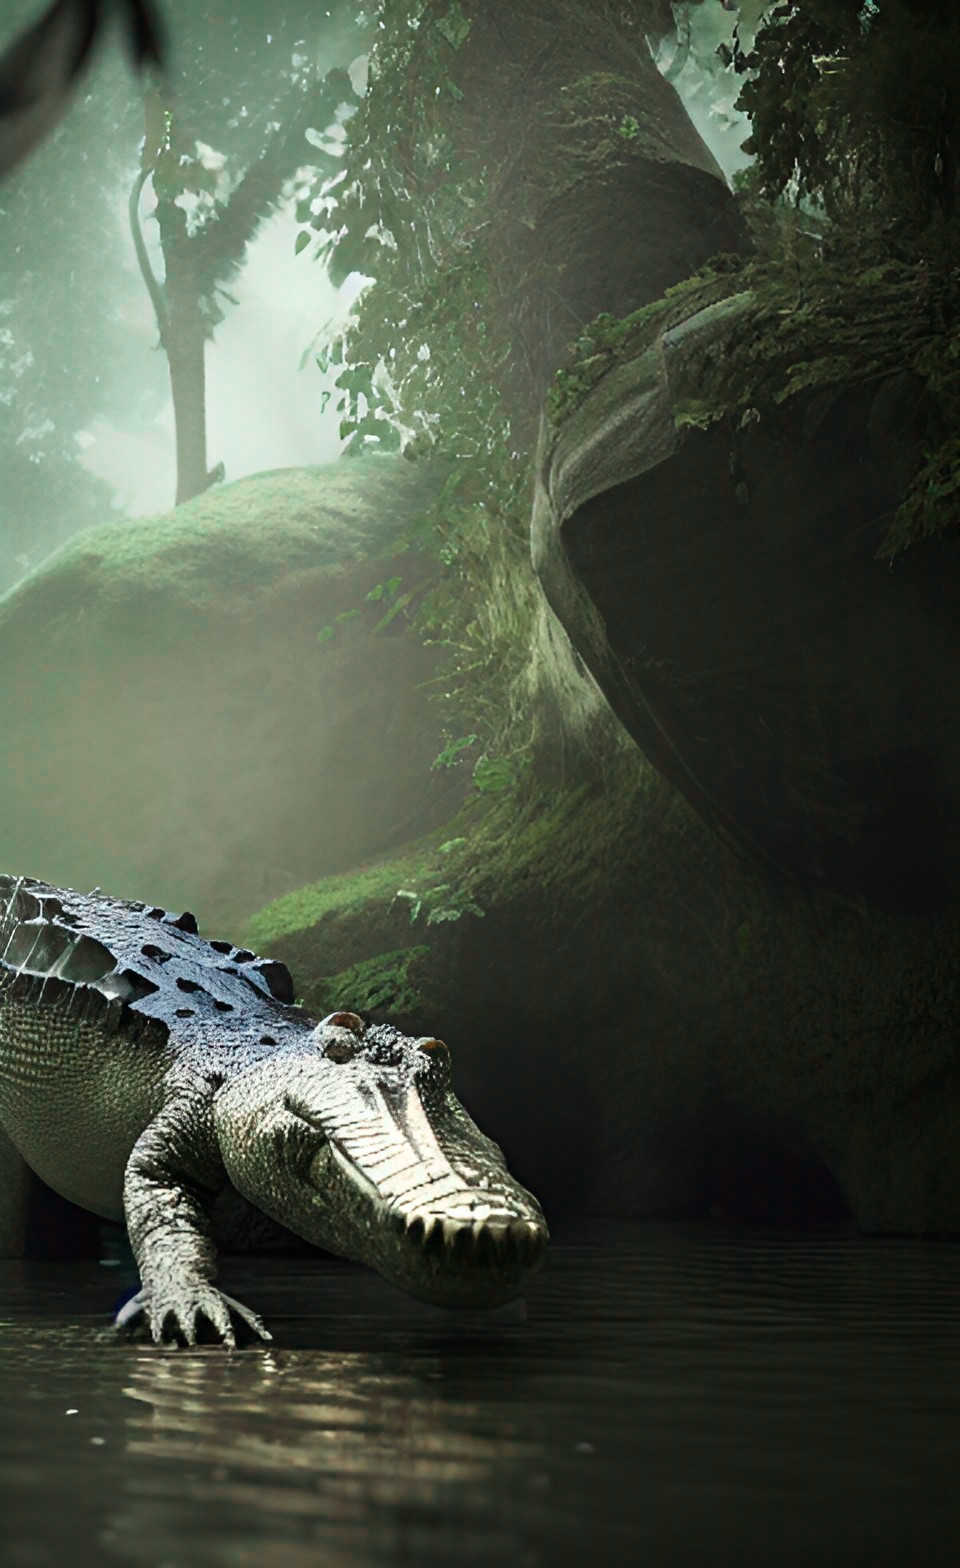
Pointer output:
715, 490
215, 705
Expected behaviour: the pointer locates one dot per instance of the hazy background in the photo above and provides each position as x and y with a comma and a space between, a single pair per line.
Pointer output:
86, 423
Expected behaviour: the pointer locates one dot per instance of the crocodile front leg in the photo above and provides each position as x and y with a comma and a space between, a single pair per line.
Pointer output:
172, 1177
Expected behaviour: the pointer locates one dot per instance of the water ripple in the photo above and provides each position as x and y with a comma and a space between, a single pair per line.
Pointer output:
679, 1394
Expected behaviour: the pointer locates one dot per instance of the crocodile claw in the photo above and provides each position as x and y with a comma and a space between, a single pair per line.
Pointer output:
192, 1315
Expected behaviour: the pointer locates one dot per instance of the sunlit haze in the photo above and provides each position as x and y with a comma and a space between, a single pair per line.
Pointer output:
263, 411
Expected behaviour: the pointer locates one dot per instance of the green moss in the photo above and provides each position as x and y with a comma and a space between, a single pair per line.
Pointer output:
528, 863
384, 985
262, 529
609, 341
307, 906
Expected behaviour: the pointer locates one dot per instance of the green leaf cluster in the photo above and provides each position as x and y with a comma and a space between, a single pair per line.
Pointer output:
857, 106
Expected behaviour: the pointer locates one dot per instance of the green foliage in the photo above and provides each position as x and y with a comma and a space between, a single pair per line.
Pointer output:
384, 590
385, 985
823, 311
327, 633
931, 505
493, 775
439, 902
454, 27
452, 752
856, 105
437, 354
607, 341
74, 350
384, 593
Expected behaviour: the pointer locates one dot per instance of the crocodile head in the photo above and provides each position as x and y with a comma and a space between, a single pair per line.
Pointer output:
352, 1137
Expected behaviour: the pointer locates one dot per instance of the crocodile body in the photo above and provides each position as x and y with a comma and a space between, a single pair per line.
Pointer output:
145, 1073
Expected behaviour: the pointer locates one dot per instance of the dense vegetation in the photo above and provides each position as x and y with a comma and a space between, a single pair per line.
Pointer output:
851, 206
855, 112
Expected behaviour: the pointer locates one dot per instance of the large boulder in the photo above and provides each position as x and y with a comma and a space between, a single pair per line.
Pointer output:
718, 573
212, 706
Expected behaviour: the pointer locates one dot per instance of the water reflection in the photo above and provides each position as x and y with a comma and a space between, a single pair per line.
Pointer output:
340, 1442
679, 1395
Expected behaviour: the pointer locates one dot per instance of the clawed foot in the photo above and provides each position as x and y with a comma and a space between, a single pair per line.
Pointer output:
192, 1315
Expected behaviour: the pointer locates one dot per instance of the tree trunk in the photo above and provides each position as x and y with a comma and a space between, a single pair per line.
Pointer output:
185, 352
565, 114
185, 345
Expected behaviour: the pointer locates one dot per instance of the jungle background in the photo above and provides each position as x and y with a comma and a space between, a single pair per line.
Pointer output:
663, 847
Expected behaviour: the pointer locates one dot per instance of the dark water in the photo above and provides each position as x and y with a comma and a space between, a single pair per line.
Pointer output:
678, 1395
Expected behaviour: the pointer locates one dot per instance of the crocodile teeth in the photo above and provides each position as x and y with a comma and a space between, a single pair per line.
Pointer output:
451, 1230
485, 1240
527, 1238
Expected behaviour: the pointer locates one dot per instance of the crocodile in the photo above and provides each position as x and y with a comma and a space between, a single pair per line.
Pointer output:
145, 1072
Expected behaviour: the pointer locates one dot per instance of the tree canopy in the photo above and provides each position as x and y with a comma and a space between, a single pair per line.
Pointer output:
855, 103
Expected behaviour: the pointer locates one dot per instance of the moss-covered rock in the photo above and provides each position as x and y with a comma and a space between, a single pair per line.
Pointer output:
708, 527
385, 986
211, 706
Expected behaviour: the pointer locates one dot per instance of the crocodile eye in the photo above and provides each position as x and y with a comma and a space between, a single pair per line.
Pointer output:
341, 1050
434, 1047
346, 1042
342, 1021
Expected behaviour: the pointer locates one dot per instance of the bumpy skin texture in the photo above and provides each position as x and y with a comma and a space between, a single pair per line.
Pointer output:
144, 1071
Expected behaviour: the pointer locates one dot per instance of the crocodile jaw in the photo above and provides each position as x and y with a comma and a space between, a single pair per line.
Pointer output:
455, 1235
367, 1167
